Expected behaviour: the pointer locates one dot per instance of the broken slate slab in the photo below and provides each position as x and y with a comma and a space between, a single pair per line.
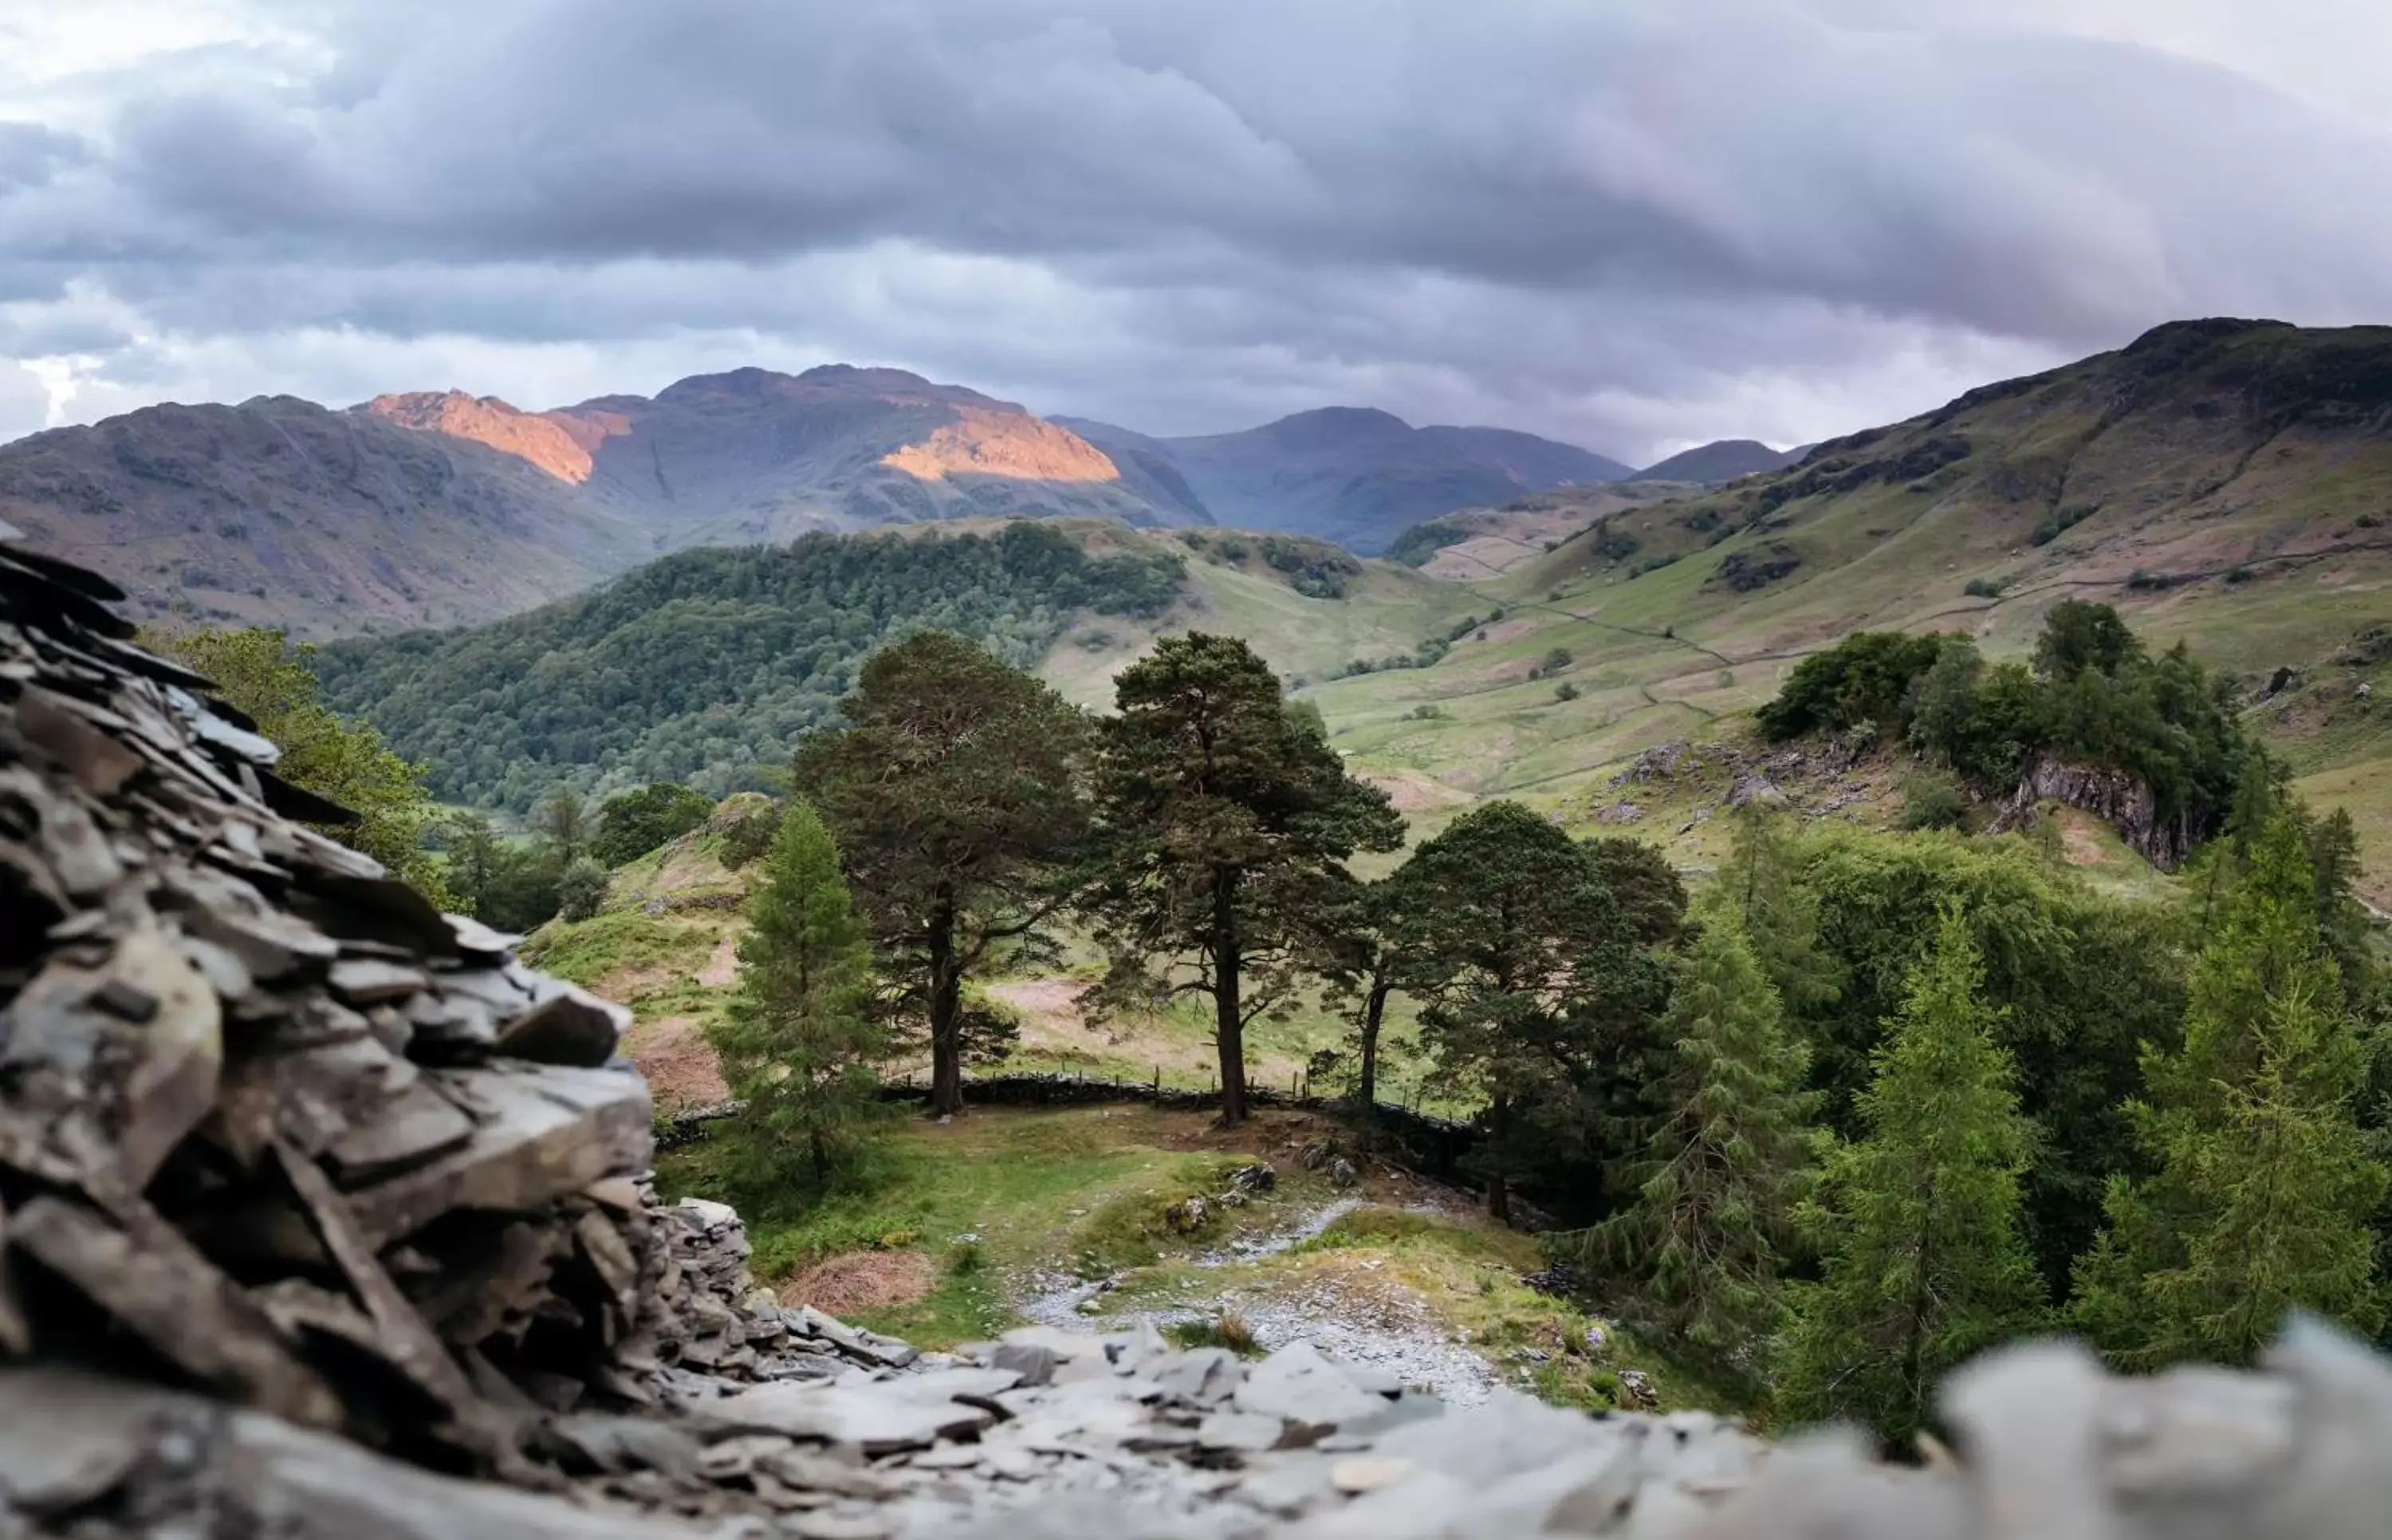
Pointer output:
371, 981
865, 1416
1298, 1385
570, 1027
545, 1132
1240, 1432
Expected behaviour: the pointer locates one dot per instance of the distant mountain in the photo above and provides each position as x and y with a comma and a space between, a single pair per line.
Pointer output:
438, 508
278, 512
1351, 475
1722, 460
752, 455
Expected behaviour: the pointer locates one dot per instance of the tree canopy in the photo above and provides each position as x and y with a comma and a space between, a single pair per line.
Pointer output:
1226, 822
632, 823
704, 666
955, 790
1520, 947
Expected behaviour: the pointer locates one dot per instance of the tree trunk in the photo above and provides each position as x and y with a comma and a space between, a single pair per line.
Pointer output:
946, 1015
1374, 1009
1498, 1191
1228, 1022
822, 1156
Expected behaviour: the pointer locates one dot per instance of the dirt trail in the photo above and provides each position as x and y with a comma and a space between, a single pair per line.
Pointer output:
1355, 1316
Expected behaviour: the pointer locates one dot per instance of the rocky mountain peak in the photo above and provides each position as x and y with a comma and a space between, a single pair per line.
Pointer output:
554, 443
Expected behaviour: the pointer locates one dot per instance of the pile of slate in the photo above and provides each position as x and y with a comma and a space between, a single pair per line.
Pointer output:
272, 1127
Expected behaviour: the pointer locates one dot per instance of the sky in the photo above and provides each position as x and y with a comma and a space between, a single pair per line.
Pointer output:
1634, 224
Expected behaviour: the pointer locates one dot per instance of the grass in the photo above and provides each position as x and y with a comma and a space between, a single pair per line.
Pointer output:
1000, 1198
987, 1196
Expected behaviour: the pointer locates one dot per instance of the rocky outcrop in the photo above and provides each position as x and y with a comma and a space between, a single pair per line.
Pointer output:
270, 1126
2115, 795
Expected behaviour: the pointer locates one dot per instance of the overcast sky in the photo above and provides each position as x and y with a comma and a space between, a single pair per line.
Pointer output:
1632, 224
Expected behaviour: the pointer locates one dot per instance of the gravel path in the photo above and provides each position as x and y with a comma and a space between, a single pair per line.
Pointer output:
1404, 1343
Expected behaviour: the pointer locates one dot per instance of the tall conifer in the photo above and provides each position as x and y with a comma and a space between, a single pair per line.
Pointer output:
797, 1048
1713, 1220
2265, 1182
1925, 1263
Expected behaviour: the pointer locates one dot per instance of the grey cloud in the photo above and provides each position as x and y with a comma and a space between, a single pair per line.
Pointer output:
1575, 217
2029, 185
24, 401
33, 154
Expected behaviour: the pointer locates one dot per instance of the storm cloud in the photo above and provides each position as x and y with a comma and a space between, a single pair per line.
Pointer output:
1632, 224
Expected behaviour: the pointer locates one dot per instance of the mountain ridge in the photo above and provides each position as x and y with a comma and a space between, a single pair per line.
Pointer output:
1719, 461
1356, 475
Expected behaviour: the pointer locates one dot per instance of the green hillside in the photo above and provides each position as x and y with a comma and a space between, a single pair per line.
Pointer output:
2224, 483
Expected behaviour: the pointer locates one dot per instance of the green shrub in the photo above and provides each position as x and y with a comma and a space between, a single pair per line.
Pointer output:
1566, 692
1982, 587
1932, 800
750, 835
582, 890
2061, 520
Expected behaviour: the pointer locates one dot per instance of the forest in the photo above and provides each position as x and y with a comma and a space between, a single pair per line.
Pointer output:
1853, 1107
703, 666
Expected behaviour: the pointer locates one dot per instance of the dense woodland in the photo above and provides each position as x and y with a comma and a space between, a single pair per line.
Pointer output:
1857, 1107
704, 666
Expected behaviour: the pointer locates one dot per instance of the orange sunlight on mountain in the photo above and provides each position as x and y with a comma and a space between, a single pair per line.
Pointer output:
1003, 444
556, 443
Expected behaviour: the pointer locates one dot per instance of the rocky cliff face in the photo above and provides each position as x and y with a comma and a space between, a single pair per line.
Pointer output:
558, 443
2112, 794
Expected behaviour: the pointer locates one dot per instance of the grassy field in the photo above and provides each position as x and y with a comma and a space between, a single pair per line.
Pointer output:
951, 1229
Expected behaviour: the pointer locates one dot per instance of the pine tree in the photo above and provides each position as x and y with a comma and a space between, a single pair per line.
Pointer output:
2265, 1183
1519, 955
1227, 821
955, 793
798, 1048
1761, 882
1713, 1222
1924, 1261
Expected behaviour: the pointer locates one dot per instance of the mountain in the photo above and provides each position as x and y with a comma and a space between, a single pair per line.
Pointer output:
441, 507
279, 511
1720, 461
1351, 475
752, 455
